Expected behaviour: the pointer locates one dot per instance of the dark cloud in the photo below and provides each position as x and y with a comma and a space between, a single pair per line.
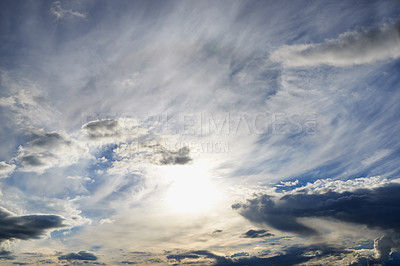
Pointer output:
376, 208
81, 255
240, 254
200, 254
31, 160
163, 156
290, 256
27, 226
102, 128
179, 257
128, 262
6, 255
180, 156
256, 233
46, 150
47, 140
155, 261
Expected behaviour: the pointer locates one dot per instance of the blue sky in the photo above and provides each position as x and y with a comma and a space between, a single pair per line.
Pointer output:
199, 132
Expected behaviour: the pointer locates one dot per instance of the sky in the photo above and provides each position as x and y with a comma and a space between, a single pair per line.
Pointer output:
199, 132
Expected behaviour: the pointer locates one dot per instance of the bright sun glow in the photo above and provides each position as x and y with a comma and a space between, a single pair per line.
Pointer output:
191, 188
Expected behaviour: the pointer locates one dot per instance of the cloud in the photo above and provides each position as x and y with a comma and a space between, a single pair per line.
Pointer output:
200, 255
6, 169
28, 226
383, 246
168, 157
289, 256
256, 233
240, 254
376, 156
376, 208
128, 157
59, 12
128, 262
288, 184
81, 255
321, 186
350, 48
6, 255
106, 131
295, 255
45, 150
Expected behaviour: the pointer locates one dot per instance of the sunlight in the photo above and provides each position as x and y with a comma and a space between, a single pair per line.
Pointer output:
191, 188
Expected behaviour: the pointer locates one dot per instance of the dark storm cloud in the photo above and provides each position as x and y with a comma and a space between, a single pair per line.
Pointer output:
102, 128
256, 233
27, 226
376, 208
81, 255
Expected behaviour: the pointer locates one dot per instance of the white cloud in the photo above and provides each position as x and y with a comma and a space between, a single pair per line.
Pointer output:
350, 48
325, 185
6, 169
288, 184
59, 12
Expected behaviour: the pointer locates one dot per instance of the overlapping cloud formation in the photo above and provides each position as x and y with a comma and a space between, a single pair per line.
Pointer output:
377, 208
350, 48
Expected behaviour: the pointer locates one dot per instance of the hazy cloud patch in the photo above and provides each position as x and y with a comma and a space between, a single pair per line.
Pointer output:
350, 48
